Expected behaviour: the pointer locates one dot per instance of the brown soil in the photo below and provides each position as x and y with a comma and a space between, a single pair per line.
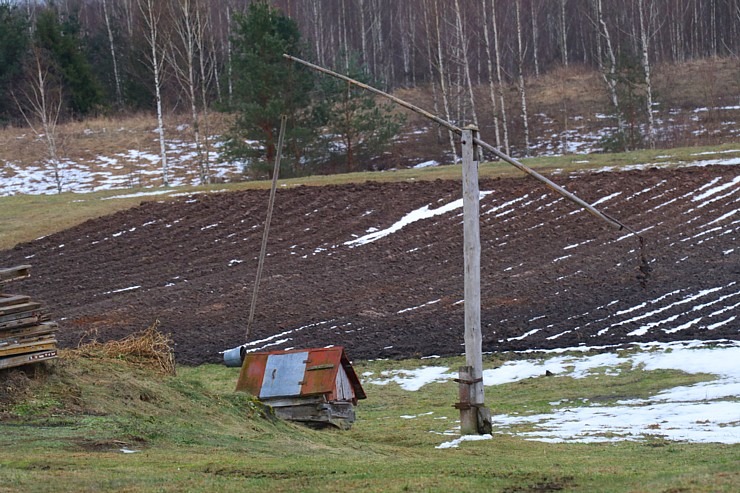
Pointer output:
194, 263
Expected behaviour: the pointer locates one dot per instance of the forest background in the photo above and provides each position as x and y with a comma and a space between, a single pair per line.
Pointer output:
474, 61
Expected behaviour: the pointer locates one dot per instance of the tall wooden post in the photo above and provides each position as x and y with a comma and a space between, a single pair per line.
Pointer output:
474, 417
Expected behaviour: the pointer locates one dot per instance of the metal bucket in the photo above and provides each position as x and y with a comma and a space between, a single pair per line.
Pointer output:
234, 357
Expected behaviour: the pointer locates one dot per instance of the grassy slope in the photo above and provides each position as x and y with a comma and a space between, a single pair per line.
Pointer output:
194, 433
25, 218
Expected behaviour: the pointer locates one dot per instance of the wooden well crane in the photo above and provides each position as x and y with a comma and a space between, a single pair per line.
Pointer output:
474, 416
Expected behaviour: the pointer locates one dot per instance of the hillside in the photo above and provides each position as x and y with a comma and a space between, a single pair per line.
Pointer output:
347, 266
698, 104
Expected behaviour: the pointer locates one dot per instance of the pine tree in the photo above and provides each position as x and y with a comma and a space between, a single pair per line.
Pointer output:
364, 127
267, 86
62, 41
14, 41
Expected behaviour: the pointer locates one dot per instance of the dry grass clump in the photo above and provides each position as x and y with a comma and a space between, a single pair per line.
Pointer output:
148, 348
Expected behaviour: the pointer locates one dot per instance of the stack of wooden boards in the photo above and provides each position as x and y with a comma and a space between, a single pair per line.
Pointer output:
26, 335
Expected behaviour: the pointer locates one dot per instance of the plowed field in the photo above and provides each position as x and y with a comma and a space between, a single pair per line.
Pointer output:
378, 268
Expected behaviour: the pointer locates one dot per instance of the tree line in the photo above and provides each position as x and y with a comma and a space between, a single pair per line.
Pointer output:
103, 56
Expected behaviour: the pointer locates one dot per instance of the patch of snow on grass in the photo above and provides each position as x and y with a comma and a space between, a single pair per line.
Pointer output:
426, 164
465, 438
703, 412
413, 380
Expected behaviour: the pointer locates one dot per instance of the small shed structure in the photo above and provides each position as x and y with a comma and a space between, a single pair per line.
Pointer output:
314, 386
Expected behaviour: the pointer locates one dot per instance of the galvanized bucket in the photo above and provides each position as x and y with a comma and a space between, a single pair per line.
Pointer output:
234, 357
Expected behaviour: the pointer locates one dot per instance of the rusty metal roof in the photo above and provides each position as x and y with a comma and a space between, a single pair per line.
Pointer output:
298, 373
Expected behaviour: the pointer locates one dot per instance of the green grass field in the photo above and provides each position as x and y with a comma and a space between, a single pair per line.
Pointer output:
65, 431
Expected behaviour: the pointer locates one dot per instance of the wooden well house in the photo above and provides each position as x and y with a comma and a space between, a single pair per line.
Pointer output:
318, 387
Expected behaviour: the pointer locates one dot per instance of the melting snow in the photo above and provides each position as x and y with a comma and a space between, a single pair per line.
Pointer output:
413, 216
694, 413
465, 438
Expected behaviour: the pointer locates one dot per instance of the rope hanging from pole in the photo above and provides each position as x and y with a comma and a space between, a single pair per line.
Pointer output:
266, 231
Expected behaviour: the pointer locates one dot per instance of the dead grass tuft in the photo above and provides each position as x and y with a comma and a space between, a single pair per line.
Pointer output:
148, 348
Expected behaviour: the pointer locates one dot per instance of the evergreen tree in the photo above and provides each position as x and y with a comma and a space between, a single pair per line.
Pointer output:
630, 82
267, 86
14, 41
61, 40
352, 114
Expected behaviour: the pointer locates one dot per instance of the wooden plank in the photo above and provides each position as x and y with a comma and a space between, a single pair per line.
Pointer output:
45, 345
26, 359
18, 316
13, 299
338, 414
20, 323
21, 307
40, 334
14, 273
23, 341
28, 331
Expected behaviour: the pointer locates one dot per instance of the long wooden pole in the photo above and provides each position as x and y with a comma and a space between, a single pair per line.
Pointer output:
473, 381
266, 231
504, 157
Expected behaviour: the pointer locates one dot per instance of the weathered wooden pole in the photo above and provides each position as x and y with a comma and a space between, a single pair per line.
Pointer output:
266, 231
474, 415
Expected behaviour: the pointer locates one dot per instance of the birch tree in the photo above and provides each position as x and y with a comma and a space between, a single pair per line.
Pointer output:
608, 70
645, 45
442, 79
522, 89
465, 60
41, 105
114, 58
491, 85
563, 34
499, 78
430, 65
186, 57
155, 59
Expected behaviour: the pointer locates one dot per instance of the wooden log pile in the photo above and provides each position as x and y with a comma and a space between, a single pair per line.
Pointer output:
26, 334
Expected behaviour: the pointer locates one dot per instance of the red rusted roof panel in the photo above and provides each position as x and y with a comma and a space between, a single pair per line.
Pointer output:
252, 372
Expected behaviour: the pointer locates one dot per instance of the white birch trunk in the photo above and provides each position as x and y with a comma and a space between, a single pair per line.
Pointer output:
466, 67
497, 51
442, 81
563, 33
522, 89
208, 72
183, 61
535, 48
430, 64
44, 104
116, 74
229, 65
156, 61
491, 85
363, 35
609, 74
644, 41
